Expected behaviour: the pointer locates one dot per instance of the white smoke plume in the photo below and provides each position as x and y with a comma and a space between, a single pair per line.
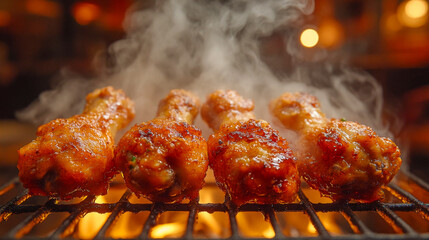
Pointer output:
204, 45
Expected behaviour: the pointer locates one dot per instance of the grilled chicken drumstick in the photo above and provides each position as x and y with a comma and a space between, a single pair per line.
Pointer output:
251, 162
165, 159
342, 159
74, 157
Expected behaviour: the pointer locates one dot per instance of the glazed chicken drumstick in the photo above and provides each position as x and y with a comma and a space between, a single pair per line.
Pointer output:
251, 162
165, 159
74, 157
342, 159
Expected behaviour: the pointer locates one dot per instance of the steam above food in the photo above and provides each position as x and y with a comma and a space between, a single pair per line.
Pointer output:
342, 159
202, 46
74, 157
250, 160
205, 45
165, 159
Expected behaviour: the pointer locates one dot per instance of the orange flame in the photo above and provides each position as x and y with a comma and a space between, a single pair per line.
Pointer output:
172, 224
91, 223
253, 224
168, 230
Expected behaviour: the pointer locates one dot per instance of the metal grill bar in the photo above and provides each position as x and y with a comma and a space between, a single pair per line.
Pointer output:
9, 185
419, 181
291, 207
395, 221
355, 223
5, 211
117, 211
407, 197
151, 220
232, 211
315, 220
191, 219
274, 224
67, 226
360, 229
25, 226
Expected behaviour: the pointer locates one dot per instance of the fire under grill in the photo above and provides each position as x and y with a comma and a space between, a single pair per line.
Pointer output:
402, 198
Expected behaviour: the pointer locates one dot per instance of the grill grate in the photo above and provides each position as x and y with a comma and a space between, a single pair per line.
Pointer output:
39, 212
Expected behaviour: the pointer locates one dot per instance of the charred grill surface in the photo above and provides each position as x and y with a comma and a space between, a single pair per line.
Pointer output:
387, 210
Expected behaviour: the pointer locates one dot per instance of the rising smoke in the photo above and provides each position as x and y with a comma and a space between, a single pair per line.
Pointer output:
204, 45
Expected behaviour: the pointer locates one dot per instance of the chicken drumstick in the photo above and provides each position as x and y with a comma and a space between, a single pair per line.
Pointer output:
165, 159
251, 162
343, 160
74, 157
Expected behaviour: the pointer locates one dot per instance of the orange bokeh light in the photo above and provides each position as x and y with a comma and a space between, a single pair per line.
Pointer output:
4, 18
413, 13
331, 33
43, 8
85, 13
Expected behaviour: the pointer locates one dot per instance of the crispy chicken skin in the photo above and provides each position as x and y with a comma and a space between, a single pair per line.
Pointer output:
74, 157
251, 162
342, 159
165, 159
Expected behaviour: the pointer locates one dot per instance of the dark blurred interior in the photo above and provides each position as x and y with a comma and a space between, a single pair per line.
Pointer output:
387, 38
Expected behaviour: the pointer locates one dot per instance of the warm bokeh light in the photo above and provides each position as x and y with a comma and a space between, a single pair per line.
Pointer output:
309, 38
331, 33
416, 8
85, 13
391, 24
413, 13
4, 18
43, 8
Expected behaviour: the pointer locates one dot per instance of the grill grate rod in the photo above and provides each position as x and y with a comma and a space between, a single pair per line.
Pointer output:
274, 224
315, 220
355, 223
191, 219
394, 220
9, 185
232, 212
67, 226
407, 197
417, 180
6, 210
12, 208
25, 226
386, 210
151, 220
117, 211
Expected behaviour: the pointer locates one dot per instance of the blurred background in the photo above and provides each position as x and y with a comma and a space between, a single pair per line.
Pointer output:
387, 38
